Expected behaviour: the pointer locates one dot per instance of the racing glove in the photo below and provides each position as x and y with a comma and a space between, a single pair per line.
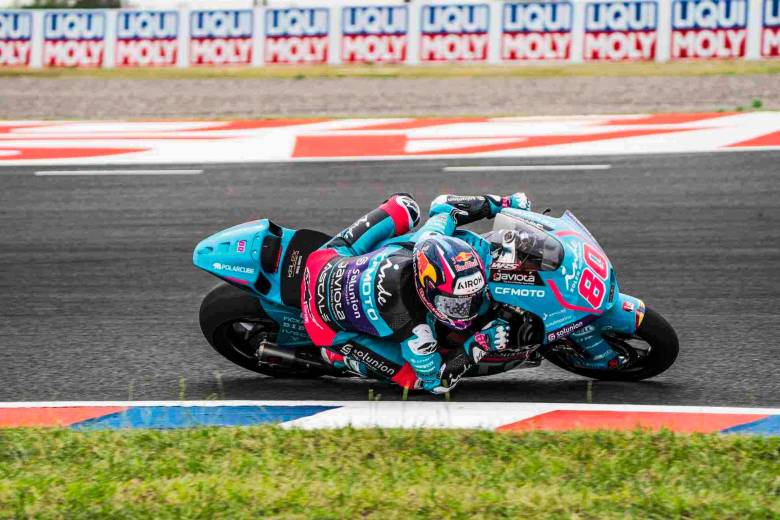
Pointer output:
470, 208
494, 337
452, 370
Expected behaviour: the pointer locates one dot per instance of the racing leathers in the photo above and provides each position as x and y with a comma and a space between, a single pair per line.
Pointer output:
359, 301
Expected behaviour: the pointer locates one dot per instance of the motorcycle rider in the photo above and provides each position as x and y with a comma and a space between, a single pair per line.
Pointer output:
360, 304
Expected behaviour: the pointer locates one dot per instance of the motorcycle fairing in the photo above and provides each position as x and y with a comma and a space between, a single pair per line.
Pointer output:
268, 261
560, 302
237, 256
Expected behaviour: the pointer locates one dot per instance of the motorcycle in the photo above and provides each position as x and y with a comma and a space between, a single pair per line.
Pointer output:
549, 278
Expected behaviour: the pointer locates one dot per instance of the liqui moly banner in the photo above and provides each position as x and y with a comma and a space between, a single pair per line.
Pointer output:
770, 31
74, 38
536, 31
15, 38
709, 28
392, 31
374, 34
297, 35
147, 38
221, 37
454, 32
619, 31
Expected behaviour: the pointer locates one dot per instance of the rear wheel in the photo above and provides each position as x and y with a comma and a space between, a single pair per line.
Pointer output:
233, 322
650, 352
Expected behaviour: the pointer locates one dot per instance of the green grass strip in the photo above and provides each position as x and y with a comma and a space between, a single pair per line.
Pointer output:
684, 68
269, 472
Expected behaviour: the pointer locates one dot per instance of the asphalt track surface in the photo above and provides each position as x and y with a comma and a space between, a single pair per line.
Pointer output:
99, 300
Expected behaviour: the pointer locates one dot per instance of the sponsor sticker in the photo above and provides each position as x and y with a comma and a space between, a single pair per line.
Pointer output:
374, 34
74, 39
464, 260
618, 31
566, 330
516, 277
709, 28
372, 360
506, 266
770, 32
296, 35
382, 294
147, 38
15, 36
232, 268
221, 37
470, 284
521, 292
241, 246
536, 31
454, 32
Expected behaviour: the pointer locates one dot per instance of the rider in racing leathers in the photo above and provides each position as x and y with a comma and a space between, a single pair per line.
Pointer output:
361, 304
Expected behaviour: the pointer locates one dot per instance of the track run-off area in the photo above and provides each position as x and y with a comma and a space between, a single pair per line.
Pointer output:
99, 300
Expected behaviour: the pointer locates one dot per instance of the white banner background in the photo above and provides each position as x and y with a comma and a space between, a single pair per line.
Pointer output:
395, 32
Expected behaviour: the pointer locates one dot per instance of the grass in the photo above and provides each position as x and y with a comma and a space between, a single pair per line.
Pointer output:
682, 68
269, 472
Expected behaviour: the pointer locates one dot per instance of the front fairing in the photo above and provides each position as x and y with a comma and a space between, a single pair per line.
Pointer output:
577, 291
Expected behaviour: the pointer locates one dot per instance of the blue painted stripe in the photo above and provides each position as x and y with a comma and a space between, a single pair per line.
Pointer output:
167, 417
766, 426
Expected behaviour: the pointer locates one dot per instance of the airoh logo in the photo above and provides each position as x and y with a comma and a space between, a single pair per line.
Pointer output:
469, 284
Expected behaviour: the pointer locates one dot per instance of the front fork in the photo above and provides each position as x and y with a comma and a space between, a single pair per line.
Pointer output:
622, 319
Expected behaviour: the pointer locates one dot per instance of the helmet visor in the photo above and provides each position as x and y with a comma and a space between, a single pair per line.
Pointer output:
458, 307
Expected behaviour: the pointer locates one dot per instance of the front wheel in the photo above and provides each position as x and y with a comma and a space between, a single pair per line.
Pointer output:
651, 351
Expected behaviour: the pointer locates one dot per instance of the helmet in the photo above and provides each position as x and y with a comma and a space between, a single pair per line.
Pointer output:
450, 279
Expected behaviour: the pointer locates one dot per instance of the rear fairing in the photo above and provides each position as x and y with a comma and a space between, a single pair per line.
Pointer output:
258, 257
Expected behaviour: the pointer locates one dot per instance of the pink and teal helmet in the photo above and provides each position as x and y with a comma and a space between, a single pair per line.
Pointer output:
450, 279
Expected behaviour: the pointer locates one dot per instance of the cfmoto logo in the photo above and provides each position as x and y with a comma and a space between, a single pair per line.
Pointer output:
525, 293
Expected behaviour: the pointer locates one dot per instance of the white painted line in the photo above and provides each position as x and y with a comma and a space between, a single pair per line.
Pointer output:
425, 407
46, 173
528, 168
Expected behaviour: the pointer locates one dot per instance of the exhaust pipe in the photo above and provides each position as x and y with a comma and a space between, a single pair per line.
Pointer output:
269, 353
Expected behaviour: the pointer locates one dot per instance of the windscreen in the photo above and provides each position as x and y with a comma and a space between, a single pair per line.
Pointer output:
519, 245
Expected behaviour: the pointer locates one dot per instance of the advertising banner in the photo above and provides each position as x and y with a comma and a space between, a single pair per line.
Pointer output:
619, 31
536, 31
15, 39
147, 38
74, 38
393, 32
709, 28
770, 31
298, 35
454, 32
221, 37
374, 34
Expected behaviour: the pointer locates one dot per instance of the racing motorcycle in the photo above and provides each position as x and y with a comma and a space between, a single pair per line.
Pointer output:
549, 279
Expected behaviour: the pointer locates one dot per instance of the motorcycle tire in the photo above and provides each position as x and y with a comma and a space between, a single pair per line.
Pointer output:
222, 309
664, 348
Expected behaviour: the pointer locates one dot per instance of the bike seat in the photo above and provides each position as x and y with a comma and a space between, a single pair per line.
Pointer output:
293, 260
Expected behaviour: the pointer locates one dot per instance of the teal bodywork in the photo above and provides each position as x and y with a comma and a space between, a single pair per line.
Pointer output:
236, 256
